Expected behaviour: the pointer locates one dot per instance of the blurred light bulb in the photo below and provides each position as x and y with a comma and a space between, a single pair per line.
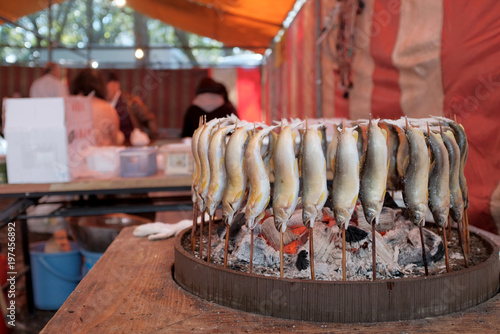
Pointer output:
120, 3
139, 53
94, 64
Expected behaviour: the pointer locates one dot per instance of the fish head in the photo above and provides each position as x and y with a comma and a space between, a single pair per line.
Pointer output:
456, 213
227, 213
441, 216
371, 211
280, 218
417, 213
342, 216
309, 214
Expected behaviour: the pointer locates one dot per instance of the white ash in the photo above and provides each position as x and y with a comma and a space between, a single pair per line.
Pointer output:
398, 250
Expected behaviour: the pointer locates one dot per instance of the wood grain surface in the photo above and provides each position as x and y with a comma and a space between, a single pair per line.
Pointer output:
131, 290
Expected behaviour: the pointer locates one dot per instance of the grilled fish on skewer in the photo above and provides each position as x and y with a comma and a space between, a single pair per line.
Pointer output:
286, 182
374, 180
346, 177
439, 186
415, 181
218, 176
439, 180
286, 178
203, 147
456, 198
416, 176
196, 179
234, 193
374, 173
314, 188
236, 173
345, 185
258, 181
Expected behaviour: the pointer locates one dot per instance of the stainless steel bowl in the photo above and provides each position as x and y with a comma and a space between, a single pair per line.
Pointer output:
95, 233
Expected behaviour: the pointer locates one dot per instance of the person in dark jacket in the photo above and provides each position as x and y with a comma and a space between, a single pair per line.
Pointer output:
210, 101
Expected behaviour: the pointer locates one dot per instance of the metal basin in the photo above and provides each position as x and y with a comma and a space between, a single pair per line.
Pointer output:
95, 233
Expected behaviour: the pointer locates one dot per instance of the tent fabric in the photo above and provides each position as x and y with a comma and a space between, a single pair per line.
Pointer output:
415, 58
249, 24
12, 10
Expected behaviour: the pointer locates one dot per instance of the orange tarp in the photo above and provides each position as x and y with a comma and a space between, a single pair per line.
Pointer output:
249, 24
12, 10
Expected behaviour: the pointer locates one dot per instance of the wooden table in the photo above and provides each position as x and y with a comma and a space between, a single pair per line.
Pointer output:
131, 290
123, 199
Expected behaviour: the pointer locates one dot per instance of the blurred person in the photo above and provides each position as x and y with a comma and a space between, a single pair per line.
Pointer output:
89, 82
132, 111
211, 100
50, 84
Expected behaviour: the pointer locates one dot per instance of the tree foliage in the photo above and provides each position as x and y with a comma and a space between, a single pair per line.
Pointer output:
84, 24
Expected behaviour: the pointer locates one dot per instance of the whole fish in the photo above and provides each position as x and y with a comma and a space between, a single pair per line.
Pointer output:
332, 148
314, 187
203, 148
374, 173
196, 157
258, 179
402, 153
286, 177
392, 152
345, 185
236, 173
461, 139
204, 180
416, 176
456, 198
218, 176
439, 180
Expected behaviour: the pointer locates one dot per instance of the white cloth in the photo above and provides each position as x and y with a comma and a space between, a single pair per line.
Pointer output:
158, 231
48, 86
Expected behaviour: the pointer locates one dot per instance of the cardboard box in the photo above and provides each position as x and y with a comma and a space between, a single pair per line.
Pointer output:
47, 138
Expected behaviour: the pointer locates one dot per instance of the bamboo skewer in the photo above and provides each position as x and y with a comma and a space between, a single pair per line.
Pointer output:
467, 233
344, 276
226, 246
210, 223
424, 256
251, 251
447, 257
311, 253
201, 234
462, 244
374, 252
281, 253
193, 229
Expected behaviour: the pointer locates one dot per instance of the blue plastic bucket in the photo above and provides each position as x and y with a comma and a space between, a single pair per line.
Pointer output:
55, 275
90, 259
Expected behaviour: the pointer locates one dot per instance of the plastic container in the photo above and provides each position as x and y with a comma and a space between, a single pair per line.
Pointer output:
90, 258
138, 162
55, 275
104, 161
177, 159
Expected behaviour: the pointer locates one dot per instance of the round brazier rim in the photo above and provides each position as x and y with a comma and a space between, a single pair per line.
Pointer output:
389, 293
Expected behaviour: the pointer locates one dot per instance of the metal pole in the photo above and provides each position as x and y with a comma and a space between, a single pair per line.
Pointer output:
319, 79
50, 28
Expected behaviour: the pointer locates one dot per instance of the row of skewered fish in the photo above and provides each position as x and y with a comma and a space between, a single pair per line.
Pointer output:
424, 158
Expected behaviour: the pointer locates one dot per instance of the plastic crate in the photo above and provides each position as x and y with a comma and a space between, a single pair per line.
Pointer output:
138, 162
